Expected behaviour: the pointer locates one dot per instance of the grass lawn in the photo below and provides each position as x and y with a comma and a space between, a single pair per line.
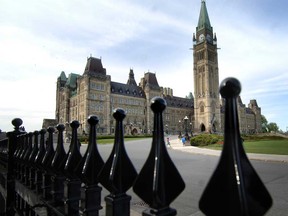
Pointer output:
279, 147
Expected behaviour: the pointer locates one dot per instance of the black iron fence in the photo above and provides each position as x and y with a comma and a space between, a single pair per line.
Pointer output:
67, 183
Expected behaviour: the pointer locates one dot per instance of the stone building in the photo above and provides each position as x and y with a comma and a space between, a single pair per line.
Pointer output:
93, 92
208, 108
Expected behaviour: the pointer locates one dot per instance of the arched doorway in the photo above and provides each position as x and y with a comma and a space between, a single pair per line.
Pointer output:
202, 127
134, 131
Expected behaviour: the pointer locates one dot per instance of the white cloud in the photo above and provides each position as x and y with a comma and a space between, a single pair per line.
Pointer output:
39, 39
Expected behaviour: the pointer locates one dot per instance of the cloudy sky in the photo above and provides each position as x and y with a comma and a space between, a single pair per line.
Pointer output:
39, 39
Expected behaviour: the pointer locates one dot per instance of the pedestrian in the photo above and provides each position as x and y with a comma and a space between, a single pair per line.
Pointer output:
183, 140
168, 142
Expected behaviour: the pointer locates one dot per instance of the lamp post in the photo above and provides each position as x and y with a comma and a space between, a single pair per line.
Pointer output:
185, 122
191, 129
180, 129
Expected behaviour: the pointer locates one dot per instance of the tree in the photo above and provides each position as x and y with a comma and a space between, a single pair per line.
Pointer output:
264, 124
272, 127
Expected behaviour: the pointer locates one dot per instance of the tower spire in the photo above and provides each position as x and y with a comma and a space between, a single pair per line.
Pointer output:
131, 80
203, 21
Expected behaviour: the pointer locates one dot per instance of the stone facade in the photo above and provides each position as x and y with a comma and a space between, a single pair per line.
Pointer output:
93, 93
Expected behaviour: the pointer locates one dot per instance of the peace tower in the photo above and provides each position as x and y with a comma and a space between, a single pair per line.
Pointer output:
206, 76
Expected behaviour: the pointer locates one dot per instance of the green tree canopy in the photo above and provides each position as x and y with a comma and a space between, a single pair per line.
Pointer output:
272, 127
264, 124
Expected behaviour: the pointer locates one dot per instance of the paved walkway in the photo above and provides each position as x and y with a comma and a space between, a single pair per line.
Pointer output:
176, 144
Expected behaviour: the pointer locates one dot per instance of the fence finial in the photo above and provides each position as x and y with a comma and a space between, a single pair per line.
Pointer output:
41, 152
60, 155
159, 181
234, 188
93, 162
17, 122
74, 155
47, 159
118, 173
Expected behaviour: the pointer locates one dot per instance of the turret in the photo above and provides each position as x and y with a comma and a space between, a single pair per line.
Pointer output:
131, 79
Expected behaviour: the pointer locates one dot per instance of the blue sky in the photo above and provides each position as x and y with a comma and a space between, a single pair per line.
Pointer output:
39, 39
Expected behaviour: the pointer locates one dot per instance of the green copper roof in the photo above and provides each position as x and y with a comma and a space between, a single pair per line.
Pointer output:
71, 81
204, 21
63, 76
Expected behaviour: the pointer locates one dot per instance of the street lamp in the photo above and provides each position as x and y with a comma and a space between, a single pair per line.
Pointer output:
191, 129
180, 128
186, 130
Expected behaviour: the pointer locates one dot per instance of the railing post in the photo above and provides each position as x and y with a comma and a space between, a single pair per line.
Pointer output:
118, 173
72, 184
26, 159
234, 188
12, 140
159, 181
57, 165
17, 155
46, 164
32, 159
38, 162
22, 156
18, 164
92, 164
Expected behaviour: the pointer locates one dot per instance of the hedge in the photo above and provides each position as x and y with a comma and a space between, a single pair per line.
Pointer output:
205, 139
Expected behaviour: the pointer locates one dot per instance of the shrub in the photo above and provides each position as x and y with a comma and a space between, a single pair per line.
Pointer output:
258, 137
205, 139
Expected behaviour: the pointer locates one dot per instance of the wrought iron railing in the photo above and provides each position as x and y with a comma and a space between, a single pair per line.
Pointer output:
70, 184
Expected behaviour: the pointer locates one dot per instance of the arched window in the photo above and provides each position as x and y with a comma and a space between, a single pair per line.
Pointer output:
202, 107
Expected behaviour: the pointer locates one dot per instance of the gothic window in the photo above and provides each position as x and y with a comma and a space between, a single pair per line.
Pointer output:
211, 56
200, 55
202, 107
201, 69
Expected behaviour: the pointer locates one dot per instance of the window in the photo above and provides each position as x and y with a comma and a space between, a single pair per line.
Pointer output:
211, 56
200, 55
97, 86
201, 108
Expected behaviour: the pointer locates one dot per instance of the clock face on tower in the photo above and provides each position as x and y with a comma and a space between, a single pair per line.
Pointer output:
201, 38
